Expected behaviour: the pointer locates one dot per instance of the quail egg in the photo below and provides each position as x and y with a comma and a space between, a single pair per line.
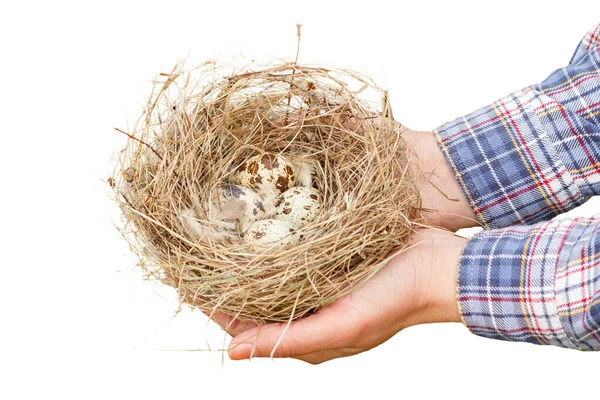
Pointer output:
267, 172
270, 232
241, 203
298, 205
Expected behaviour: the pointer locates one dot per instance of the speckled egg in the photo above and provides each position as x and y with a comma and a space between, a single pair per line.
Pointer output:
250, 208
267, 172
270, 232
298, 205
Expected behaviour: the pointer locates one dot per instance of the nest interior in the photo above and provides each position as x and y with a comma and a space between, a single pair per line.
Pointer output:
199, 126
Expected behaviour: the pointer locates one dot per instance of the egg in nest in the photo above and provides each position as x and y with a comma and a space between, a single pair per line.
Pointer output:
240, 203
298, 205
270, 232
267, 173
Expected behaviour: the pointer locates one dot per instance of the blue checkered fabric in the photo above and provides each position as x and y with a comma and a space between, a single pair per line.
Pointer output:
534, 283
524, 159
535, 153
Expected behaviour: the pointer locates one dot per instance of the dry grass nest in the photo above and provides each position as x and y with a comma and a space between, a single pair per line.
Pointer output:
200, 125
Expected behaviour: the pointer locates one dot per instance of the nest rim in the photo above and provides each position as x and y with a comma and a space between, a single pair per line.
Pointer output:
187, 143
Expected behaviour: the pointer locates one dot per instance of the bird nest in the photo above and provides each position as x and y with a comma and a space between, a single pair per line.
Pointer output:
200, 128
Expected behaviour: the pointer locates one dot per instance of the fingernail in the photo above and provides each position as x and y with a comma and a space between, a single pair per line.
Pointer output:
240, 351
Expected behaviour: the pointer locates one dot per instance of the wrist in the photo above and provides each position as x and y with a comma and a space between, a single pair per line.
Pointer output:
443, 202
446, 301
439, 279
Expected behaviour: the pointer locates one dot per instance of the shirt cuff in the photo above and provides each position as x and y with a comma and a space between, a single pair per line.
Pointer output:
525, 284
506, 163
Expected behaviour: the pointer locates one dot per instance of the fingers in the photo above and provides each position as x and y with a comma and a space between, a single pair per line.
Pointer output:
231, 325
309, 335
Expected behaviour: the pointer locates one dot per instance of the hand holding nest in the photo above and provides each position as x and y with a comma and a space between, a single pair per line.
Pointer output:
417, 286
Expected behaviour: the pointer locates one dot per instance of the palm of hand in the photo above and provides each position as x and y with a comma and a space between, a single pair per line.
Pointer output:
399, 295
415, 286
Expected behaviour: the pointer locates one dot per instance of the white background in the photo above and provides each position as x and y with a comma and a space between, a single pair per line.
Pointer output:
78, 322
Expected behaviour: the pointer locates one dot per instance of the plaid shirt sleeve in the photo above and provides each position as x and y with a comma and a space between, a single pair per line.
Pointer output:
535, 153
534, 283
522, 160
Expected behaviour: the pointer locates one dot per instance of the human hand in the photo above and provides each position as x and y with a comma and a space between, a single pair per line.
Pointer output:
416, 286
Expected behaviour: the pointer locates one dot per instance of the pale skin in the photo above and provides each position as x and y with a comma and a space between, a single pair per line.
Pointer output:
417, 286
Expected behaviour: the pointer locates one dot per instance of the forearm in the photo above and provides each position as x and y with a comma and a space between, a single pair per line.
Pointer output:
522, 160
534, 283
535, 153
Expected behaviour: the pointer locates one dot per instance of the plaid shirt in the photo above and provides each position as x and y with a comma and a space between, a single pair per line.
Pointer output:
522, 160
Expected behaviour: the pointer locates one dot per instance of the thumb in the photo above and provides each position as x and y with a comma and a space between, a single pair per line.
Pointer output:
317, 332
